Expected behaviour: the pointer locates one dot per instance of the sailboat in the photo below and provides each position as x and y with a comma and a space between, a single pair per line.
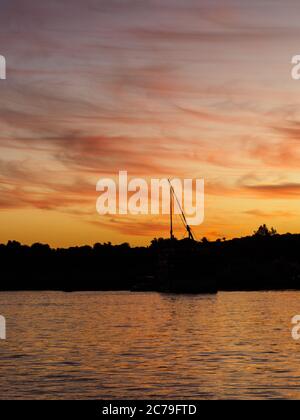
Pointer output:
179, 269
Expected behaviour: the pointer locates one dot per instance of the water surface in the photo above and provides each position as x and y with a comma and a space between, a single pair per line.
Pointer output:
149, 345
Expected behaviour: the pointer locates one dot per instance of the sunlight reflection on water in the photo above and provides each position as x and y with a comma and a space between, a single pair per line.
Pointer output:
149, 345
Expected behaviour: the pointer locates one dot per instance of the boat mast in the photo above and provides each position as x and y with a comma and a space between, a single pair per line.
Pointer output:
187, 227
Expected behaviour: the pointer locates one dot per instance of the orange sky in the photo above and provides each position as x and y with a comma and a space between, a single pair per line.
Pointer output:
193, 89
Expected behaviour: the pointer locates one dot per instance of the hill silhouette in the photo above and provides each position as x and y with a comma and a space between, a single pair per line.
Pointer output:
263, 261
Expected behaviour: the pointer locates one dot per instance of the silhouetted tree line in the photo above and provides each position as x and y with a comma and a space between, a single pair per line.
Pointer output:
265, 260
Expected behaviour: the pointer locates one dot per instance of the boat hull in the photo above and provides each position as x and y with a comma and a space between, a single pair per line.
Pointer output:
179, 272
190, 286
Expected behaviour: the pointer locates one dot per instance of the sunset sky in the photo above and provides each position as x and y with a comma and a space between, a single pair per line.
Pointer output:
160, 88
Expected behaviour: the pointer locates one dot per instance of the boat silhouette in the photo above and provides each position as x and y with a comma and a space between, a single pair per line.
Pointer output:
178, 268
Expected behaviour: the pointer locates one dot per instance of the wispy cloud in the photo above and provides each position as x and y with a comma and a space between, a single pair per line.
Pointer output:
270, 215
288, 190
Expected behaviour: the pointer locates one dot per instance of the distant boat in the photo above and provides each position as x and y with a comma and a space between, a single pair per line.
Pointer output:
179, 270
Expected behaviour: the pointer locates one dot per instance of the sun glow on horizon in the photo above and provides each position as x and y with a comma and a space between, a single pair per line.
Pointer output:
193, 90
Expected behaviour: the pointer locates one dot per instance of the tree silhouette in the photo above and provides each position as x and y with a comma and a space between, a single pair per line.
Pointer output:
263, 230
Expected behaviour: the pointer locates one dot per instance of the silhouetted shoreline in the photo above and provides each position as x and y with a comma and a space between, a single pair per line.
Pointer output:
258, 262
